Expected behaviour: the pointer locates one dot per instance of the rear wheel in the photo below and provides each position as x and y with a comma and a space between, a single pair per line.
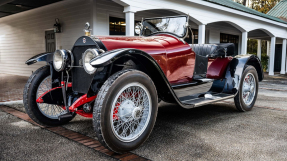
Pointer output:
45, 114
125, 110
247, 94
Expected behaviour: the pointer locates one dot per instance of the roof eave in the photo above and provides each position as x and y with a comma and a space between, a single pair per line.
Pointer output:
238, 12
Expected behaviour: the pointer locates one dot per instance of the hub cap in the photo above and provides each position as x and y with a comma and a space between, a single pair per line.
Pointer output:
248, 89
49, 110
130, 113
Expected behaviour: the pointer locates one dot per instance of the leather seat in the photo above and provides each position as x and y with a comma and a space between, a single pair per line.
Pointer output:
213, 50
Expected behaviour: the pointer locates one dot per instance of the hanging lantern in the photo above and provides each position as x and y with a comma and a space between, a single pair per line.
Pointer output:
57, 26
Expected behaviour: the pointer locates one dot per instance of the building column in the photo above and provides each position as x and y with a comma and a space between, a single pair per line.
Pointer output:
201, 34
272, 56
283, 57
259, 48
130, 23
244, 42
268, 54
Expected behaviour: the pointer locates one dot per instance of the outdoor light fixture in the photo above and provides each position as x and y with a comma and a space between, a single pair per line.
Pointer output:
57, 26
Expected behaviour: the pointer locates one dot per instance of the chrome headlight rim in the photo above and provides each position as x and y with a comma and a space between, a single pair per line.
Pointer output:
86, 62
66, 57
71, 60
57, 54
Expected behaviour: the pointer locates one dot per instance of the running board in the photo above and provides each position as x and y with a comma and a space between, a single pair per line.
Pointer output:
200, 101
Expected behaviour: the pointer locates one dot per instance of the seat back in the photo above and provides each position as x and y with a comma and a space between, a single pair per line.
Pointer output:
204, 49
214, 50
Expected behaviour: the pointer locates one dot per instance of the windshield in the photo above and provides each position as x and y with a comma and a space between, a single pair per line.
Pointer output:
174, 25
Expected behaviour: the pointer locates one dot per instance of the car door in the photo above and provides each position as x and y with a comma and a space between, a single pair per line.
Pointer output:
180, 59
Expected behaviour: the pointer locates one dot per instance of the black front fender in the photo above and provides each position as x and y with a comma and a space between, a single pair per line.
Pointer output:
48, 57
153, 69
235, 71
111, 56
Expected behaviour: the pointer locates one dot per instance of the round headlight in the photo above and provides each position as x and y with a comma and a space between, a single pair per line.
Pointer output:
58, 60
61, 58
87, 57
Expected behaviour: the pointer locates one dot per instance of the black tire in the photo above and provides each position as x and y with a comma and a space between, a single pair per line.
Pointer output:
238, 100
103, 106
29, 99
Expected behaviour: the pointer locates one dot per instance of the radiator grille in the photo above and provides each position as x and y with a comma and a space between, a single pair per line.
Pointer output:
81, 79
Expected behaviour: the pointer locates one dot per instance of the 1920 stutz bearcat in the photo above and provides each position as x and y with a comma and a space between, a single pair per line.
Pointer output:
118, 81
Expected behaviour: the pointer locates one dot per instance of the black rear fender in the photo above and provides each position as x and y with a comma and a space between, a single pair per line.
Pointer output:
235, 71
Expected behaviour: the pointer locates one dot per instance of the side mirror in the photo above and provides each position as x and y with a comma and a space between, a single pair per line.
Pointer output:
138, 28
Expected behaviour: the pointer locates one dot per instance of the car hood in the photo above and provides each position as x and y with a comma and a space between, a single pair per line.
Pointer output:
151, 45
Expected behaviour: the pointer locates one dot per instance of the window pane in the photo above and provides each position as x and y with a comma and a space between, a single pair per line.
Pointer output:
117, 26
227, 38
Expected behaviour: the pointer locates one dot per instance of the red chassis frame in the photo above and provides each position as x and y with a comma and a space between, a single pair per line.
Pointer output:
74, 107
79, 102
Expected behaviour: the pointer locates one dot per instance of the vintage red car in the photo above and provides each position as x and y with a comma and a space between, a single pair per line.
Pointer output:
118, 80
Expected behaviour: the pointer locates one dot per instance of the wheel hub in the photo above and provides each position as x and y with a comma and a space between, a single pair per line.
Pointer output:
249, 89
246, 88
137, 113
126, 110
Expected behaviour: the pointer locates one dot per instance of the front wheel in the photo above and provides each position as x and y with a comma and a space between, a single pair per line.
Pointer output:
125, 110
248, 90
42, 113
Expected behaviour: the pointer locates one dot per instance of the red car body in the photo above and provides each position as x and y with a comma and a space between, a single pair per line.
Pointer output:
175, 58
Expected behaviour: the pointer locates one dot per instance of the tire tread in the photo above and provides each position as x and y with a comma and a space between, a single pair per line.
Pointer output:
99, 105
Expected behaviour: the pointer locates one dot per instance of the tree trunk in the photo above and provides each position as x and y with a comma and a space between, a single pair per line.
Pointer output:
244, 2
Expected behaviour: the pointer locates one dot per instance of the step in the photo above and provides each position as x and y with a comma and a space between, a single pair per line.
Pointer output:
200, 101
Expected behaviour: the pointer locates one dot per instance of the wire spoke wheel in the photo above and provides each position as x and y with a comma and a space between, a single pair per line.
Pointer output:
125, 110
49, 110
249, 89
130, 112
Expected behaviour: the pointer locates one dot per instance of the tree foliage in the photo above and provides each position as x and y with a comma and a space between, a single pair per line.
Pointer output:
263, 6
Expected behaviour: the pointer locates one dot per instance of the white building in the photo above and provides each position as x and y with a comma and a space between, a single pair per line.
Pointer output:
27, 33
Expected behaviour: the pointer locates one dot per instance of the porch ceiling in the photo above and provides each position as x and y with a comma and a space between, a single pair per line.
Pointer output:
258, 34
9, 7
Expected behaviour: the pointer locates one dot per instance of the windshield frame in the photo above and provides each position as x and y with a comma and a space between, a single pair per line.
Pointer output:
161, 32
